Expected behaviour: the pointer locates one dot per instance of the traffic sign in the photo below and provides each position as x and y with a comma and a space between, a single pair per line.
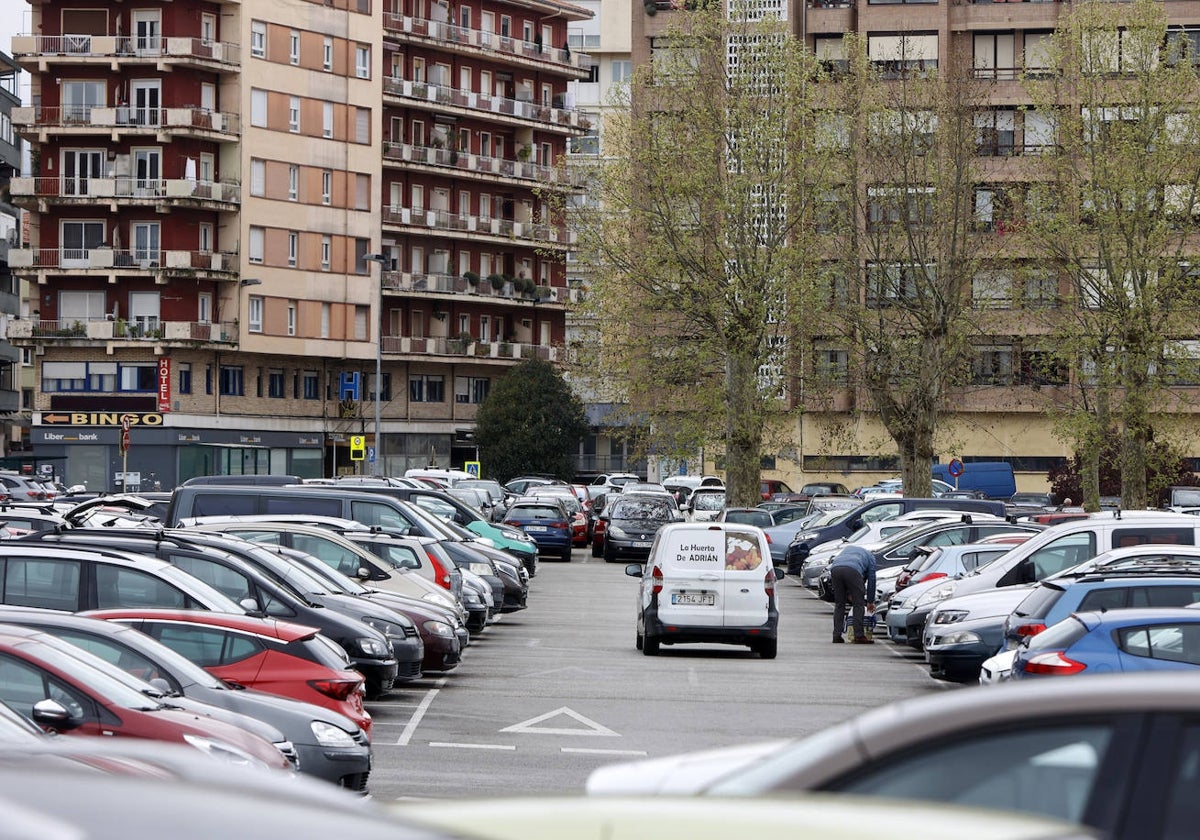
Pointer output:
124, 441
955, 467
126, 422
358, 447
371, 454
472, 467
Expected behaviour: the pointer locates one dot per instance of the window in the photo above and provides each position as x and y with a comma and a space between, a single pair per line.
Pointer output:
424, 388
254, 314
362, 191
327, 54
327, 120
992, 289
993, 209
50, 584
361, 314
258, 39
1040, 288
294, 47
130, 588
291, 318
362, 62
471, 390
1039, 51
889, 283
995, 132
312, 385
293, 182
294, 114
362, 125
622, 71
831, 364
257, 236
912, 206
1173, 642
896, 56
589, 143
79, 376
326, 313
995, 55
326, 252
293, 247
185, 377
258, 177
232, 384
78, 238
258, 108
992, 365
275, 383
326, 187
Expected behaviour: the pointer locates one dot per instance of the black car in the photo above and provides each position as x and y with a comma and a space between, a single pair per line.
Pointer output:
329, 746
631, 521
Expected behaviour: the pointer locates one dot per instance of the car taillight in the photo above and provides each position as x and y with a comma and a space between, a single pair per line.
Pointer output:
1052, 663
337, 689
932, 576
560, 525
656, 579
440, 576
769, 580
1031, 629
903, 581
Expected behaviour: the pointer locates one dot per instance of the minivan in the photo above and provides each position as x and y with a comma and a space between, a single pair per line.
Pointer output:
707, 582
873, 511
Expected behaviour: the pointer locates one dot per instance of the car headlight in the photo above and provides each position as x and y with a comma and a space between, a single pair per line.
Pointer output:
371, 647
960, 637
328, 735
479, 568
804, 535
439, 628
896, 604
222, 751
614, 531
513, 534
950, 617
385, 627
938, 593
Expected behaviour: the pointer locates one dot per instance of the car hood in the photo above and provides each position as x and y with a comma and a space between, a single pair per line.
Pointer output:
995, 602
688, 773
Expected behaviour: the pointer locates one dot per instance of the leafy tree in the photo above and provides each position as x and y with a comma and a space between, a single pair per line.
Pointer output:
531, 422
1113, 211
1166, 468
701, 243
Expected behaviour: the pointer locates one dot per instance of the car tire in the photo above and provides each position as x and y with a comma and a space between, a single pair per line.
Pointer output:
566, 555
609, 554
767, 648
650, 645
596, 549
639, 641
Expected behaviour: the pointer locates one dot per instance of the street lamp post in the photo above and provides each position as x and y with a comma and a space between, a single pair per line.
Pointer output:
377, 465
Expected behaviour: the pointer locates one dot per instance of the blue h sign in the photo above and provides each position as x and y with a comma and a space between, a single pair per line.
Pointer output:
350, 386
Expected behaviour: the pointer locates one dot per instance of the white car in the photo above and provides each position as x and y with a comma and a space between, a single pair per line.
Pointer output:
706, 504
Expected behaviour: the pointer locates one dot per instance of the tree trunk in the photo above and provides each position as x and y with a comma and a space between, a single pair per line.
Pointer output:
743, 431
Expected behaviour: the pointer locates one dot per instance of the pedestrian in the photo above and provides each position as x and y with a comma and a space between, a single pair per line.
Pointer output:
852, 574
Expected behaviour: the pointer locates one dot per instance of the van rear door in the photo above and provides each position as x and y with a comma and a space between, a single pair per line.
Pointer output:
747, 562
692, 561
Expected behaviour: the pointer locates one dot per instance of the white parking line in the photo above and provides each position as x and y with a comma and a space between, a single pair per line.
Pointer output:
473, 746
600, 752
423, 707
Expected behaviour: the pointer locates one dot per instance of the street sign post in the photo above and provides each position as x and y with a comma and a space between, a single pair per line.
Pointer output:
126, 423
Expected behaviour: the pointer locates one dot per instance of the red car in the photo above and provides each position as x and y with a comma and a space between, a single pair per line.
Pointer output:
291, 660
60, 690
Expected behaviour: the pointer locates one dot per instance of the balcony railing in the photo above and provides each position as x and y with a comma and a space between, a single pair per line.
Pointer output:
126, 46
444, 346
504, 167
469, 99
456, 284
138, 329
444, 220
123, 116
131, 259
227, 192
488, 41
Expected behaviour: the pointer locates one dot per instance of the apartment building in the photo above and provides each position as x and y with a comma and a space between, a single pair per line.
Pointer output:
1002, 417
240, 211
14, 424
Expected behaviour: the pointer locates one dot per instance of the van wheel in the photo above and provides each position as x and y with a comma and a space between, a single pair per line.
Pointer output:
638, 643
650, 646
596, 550
767, 648
566, 554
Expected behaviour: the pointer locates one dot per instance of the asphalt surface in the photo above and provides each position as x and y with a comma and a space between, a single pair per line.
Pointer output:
546, 695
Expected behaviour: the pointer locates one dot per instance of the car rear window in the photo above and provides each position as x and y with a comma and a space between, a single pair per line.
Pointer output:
538, 512
1039, 602
641, 509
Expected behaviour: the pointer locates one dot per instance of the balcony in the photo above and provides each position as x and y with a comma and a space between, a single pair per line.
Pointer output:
163, 266
125, 191
480, 43
487, 168
469, 103
162, 54
505, 351
122, 120
81, 332
477, 228
434, 283
992, 14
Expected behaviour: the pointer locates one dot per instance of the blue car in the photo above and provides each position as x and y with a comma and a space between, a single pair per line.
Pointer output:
1120, 641
546, 522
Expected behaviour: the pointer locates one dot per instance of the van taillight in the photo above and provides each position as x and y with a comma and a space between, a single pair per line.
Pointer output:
769, 580
440, 576
656, 579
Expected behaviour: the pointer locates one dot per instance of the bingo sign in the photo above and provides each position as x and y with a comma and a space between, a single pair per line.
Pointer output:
164, 384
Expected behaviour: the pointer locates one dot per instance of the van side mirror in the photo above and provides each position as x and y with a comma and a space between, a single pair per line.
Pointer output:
635, 570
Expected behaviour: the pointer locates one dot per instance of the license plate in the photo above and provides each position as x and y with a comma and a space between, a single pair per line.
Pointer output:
641, 545
535, 529
694, 599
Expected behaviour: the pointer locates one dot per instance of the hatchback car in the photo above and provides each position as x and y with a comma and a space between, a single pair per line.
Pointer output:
1122, 641
631, 521
706, 503
547, 522
757, 517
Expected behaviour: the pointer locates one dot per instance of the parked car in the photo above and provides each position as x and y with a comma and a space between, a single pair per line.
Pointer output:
1123, 641
66, 690
1032, 500
705, 504
771, 487
757, 517
580, 525
707, 583
1061, 748
23, 488
328, 745
631, 522
547, 522
824, 488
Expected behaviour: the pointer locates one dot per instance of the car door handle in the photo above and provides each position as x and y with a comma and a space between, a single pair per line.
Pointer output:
709, 576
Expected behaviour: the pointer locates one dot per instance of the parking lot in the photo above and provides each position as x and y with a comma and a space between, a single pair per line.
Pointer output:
548, 694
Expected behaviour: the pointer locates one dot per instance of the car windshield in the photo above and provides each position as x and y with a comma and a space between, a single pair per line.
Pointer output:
641, 509
708, 501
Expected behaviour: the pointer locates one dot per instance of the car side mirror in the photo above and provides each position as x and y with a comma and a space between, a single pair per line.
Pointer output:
251, 607
363, 573
780, 574
162, 685
53, 715
635, 570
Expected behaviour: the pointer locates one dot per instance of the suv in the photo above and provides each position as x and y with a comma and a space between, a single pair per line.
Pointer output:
21, 488
711, 582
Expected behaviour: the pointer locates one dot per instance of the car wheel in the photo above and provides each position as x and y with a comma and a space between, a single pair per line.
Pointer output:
767, 648
566, 554
596, 549
609, 554
650, 645
638, 643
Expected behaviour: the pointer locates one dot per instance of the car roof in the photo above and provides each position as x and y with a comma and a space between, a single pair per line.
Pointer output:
271, 628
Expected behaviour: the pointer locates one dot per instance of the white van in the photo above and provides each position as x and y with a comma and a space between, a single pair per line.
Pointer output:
707, 582
449, 477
